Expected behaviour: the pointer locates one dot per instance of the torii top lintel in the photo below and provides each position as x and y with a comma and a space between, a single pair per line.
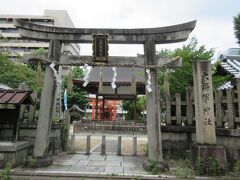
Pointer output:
161, 35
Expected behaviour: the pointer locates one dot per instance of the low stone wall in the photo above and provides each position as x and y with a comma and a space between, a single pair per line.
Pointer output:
27, 132
177, 139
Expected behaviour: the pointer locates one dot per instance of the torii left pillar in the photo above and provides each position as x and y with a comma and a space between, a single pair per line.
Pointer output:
153, 111
47, 109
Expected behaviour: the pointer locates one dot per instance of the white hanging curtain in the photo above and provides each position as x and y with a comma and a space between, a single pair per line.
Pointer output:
86, 72
114, 78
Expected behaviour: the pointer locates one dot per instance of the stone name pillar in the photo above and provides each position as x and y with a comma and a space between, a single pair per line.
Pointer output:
47, 104
153, 110
203, 100
205, 146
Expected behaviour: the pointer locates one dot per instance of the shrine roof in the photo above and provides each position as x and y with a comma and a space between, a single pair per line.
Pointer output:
15, 97
231, 64
124, 78
124, 75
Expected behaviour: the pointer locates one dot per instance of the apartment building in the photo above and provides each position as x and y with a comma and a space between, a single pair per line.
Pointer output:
17, 45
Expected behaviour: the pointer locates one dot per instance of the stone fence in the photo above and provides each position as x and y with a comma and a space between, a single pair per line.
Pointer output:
27, 132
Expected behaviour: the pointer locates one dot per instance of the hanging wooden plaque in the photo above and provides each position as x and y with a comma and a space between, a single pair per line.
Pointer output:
100, 48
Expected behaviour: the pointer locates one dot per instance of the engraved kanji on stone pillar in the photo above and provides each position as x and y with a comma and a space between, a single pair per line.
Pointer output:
203, 100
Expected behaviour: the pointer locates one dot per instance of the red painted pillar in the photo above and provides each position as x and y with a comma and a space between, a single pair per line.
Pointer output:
114, 110
110, 111
100, 114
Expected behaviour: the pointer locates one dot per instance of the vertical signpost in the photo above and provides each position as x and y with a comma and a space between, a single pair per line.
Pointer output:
203, 96
205, 146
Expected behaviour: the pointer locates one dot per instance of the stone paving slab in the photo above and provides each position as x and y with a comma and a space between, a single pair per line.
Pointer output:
96, 157
97, 163
134, 158
114, 158
83, 163
113, 170
77, 157
87, 169
113, 163
94, 164
55, 168
66, 162
131, 164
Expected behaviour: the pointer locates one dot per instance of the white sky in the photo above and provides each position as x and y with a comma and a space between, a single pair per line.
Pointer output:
214, 18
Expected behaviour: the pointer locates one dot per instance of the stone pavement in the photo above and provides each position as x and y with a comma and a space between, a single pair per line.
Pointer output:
95, 164
91, 167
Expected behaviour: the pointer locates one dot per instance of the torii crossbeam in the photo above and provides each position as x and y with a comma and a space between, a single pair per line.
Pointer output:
149, 37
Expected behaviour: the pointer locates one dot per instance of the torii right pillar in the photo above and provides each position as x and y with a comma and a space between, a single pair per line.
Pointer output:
153, 110
205, 146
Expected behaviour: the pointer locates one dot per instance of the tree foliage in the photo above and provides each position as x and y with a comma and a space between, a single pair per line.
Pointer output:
77, 96
236, 22
180, 78
15, 73
128, 105
219, 76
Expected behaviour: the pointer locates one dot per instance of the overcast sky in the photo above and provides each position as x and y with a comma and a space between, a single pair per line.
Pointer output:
214, 18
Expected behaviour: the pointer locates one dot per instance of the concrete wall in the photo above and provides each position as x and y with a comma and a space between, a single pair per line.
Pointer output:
27, 132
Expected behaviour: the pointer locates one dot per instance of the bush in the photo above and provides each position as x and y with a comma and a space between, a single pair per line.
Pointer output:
199, 166
209, 166
4, 175
237, 167
213, 168
153, 168
188, 158
185, 173
144, 149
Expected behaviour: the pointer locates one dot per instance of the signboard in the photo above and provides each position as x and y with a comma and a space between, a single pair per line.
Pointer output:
100, 47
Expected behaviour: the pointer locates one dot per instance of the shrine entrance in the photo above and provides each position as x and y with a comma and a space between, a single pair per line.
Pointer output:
100, 38
130, 82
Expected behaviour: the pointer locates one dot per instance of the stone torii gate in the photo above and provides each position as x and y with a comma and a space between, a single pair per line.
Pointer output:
149, 37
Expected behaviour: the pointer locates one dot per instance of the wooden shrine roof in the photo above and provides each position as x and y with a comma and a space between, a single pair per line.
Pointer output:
124, 75
15, 97
124, 78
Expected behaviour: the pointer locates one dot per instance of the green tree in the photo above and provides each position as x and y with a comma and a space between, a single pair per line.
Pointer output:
219, 75
13, 73
77, 72
182, 77
77, 96
128, 105
39, 51
236, 22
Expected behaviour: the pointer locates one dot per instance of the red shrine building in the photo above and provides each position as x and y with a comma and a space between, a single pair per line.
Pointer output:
130, 82
108, 111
